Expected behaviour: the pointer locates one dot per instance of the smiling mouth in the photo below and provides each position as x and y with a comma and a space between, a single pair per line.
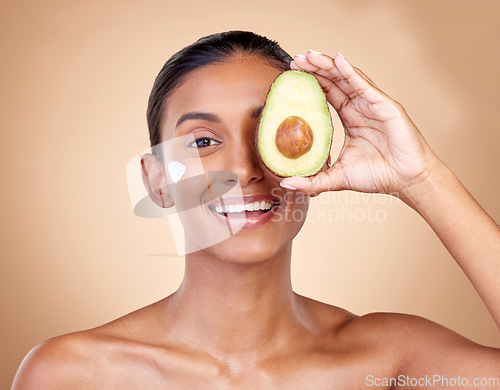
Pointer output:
262, 206
244, 209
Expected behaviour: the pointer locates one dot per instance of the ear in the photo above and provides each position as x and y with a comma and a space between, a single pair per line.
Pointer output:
155, 180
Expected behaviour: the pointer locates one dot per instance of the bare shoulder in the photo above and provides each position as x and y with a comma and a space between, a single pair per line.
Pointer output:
422, 346
58, 362
89, 358
408, 344
406, 329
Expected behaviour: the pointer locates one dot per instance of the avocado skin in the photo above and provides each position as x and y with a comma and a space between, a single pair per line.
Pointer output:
310, 92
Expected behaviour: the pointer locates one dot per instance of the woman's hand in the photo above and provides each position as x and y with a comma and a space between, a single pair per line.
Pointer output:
383, 150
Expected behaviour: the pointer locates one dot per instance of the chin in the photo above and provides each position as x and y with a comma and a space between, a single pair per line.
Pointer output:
252, 244
238, 250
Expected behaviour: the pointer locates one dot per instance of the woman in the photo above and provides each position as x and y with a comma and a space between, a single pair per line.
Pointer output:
235, 322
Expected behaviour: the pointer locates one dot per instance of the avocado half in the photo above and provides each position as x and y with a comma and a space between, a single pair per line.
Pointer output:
295, 128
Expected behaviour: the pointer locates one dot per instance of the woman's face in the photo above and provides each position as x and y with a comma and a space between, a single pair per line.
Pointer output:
216, 108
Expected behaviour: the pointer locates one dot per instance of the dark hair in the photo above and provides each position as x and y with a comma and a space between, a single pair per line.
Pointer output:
211, 49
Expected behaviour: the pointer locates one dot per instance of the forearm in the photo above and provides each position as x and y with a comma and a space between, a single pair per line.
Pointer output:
465, 229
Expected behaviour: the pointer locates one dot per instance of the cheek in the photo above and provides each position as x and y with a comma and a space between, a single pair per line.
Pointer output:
299, 212
187, 192
294, 208
297, 200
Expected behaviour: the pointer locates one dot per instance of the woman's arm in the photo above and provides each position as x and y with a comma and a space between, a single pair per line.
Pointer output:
465, 229
385, 153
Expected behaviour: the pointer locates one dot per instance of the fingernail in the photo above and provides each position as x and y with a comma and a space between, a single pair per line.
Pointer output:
339, 54
314, 51
287, 187
300, 56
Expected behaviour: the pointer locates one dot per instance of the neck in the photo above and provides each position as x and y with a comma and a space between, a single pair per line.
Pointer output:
225, 308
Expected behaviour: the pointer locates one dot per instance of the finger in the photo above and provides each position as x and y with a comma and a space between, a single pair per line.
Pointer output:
351, 80
333, 179
334, 94
359, 86
324, 66
365, 77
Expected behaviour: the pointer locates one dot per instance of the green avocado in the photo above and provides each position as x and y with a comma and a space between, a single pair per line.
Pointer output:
295, 128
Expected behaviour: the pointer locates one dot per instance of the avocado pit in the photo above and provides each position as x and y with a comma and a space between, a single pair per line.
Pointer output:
294, 137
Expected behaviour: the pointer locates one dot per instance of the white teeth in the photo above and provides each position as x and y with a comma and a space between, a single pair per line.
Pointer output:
238, 208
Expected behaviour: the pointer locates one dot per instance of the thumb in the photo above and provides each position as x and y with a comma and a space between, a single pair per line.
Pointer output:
333, 179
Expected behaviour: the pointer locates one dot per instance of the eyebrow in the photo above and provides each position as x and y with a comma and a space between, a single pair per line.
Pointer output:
206, 116
198, 115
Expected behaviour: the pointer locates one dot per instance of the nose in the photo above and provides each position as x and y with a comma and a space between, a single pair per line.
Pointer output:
244, 161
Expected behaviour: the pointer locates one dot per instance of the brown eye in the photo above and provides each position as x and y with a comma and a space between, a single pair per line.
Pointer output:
203, 142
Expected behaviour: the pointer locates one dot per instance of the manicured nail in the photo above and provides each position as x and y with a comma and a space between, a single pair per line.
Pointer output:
314, 52
300, 56
287, 187
339, 54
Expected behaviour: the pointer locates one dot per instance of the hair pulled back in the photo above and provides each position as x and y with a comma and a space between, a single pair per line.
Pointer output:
211, 49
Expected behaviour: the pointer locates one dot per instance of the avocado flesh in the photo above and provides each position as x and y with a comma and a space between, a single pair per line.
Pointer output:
295, 94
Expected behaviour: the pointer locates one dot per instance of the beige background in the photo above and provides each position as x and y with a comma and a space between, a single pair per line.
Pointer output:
75, 78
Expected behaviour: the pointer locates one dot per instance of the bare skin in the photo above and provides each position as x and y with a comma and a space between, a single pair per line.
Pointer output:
235, 321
